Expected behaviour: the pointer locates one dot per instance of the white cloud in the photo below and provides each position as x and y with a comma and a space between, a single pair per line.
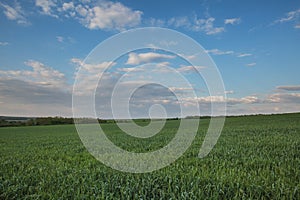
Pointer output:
173, 89
290, 16
162, 43
283, 98
163, 64
196, 24
190, 68
180, 22
92, 68
244, 55
68, 6
229, 92
164, 67
155, 22
25, 98
44, 75
289, 87
109, 15
42, 91
251, 64
189, 57
128, 69
297, 26
207, 26
219, 52
89, 75
222, 99
15, 13
232, 21
135, 59
82, 11
4, 43
168, 43
46, 6
40, 75
243, 100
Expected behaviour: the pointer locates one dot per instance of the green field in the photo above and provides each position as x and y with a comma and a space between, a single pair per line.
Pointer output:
256, 157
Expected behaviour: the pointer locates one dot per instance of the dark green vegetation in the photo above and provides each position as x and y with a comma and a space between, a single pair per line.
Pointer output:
6, 121
256, 157
26, 121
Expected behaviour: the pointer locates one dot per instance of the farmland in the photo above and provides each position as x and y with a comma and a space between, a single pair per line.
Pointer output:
256, 157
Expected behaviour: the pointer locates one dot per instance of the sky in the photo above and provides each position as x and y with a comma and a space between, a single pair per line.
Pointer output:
254, 45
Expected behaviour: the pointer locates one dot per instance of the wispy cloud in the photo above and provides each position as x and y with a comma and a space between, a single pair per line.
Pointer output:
219, 52
283, 98
232, 21
289, 87
222, 99
189, 57
251, 64
94, 69
65, 39
4, 43
297, 26
135, 59
244, 55
190, 68
289, 17
46, 6
180, 22
15, 13
229, 92
205, 25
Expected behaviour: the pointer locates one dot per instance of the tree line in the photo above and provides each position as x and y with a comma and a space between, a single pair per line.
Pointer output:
42, 121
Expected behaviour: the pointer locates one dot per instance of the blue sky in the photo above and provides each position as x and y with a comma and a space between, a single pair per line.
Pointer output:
255, 45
